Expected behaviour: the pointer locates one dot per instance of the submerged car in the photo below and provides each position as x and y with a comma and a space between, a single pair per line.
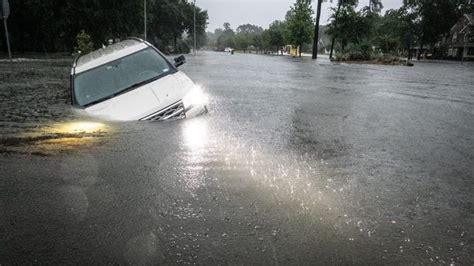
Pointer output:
133, 80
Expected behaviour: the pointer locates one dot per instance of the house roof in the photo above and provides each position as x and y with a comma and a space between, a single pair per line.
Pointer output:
463, 23
470, 18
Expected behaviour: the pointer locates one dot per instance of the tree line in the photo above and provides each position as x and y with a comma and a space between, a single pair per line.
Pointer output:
295, 29
352, 32
415, 25
53, 25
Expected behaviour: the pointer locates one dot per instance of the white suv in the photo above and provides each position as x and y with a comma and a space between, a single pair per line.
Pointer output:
132, 80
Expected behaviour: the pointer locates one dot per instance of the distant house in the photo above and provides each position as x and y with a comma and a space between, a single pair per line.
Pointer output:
292, 50
425, 53
460, 42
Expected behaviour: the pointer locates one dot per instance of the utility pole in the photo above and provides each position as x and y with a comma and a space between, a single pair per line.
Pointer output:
195, 46
5, 13
464, 51
144, 16
316, 31
339, 3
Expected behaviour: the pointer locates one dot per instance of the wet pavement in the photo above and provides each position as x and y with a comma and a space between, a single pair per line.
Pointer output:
297, 162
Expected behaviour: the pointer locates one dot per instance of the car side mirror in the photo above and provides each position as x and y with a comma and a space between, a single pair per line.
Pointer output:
179, 61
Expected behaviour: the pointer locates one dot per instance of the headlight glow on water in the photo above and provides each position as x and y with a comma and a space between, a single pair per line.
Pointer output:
80, 127
196, 135
196, 97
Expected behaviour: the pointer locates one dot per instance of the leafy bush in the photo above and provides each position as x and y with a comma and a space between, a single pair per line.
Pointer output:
84, 43
363, 52
182, 47
356, 52
342, 57
360, 52
386, 59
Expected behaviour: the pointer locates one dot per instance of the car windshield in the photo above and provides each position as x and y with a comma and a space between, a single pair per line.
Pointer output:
119, 76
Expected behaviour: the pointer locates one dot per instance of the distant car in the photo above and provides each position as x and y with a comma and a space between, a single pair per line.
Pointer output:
133, 80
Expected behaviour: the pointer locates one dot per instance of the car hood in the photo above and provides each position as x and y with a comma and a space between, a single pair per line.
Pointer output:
145, 100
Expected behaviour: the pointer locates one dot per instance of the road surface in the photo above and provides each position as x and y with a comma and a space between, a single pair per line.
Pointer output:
297, 162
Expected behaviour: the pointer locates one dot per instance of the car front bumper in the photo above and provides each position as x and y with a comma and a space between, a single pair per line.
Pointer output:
176, 111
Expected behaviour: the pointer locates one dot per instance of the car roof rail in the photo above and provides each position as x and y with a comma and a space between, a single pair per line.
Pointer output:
136, 39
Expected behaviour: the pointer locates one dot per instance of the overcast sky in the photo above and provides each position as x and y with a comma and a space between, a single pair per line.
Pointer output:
263, 12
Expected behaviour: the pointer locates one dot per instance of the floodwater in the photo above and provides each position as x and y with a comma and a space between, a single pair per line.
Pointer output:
297, 162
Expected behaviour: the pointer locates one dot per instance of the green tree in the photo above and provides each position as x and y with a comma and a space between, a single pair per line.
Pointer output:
266, 41
201, 23
241, 42
335, 16
434, 18
371, 13
211, 40
375, 6
394, 31
227, 27
226, 38
249, 35
84, 43
167, 22
351, 27
300, 23
49, 25
276, 35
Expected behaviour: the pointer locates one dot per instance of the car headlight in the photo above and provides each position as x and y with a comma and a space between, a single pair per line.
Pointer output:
196, 97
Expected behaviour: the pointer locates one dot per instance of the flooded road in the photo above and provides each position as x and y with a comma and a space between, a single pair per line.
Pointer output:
297, 162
